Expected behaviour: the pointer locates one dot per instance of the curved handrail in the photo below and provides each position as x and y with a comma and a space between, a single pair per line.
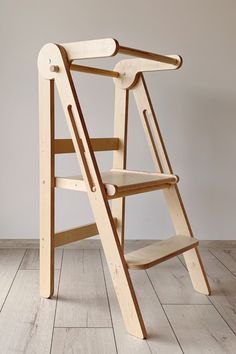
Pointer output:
108, 47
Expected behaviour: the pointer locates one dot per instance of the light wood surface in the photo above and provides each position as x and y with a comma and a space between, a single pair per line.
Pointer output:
91, 70
161, 338
119, 183
199, 328
31, 259
96, 243
83, 340
150, 56
76, 234
227, 257
121, 106
176, 287
82, 300
173, 199
224, 288
108, 47
65, 146
47, 170
54, 64
26, 321
129, 70
158, 252
96, 48
9, 264
96, 193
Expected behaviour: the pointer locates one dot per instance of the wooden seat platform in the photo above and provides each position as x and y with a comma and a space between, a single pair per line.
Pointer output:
119, 183
160, 251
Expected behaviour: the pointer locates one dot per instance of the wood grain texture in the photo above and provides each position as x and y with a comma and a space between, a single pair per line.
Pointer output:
224, 288
227, 257
161, 338
150, 56
96, 193
75, 234
65, 146
26, 321
92, 70
34, 243
133, 67
172, 195
119, 156
82, 300
47, 195
31, 259
160, 251
10, 260
200, 329
95, 48
121, 183
54, 63
172, 284
83, 340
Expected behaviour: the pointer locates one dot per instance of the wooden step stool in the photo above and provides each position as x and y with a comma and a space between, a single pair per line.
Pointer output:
55, 64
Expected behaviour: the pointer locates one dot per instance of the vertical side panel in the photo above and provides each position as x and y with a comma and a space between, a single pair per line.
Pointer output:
119, 156
46, 127
172, 195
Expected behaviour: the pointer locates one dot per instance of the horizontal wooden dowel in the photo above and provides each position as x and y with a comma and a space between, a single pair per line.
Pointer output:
96, 71
148, 55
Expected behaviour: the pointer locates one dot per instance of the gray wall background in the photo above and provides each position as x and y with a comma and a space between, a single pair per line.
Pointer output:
196, 107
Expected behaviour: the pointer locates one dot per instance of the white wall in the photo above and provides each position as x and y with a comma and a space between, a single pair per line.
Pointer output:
196, 107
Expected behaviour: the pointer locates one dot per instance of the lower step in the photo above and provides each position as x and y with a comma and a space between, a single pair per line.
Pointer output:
160, 251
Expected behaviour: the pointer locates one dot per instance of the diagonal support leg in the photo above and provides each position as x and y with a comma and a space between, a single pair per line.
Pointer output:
118, 267
96, 192
46, 118
172, 195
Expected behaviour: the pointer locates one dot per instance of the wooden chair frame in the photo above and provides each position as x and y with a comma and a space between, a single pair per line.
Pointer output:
55, 65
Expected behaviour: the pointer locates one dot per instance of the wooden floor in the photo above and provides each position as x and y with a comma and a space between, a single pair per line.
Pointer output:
83, 317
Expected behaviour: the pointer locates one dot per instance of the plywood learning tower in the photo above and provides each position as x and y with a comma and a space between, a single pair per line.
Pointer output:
55, 63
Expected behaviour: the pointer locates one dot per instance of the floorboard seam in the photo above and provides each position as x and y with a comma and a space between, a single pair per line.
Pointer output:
223, 317
165, 312
59, 279
103, 271
209, 297
18, 268
92, 327
221, 262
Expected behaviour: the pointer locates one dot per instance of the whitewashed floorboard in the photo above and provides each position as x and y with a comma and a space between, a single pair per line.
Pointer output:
223, 285
227, 257
161, 338
201, 326
200, 329
83, 341
26, 320
10, 260
173, 285
31, 259
82, 299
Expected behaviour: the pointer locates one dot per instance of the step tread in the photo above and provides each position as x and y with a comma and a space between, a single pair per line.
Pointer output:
159, 251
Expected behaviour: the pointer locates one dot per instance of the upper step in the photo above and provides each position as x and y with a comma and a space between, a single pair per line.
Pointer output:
120, 183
